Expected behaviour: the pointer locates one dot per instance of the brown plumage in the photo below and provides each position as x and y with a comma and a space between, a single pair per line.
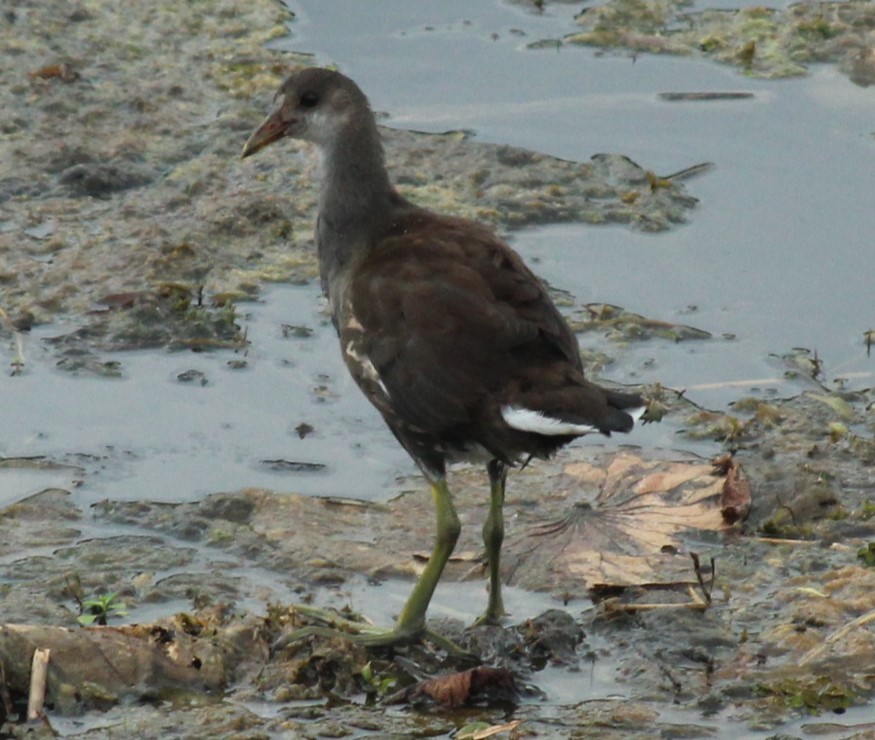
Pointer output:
441, 324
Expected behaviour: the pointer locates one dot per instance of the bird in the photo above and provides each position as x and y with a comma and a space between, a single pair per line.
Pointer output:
442, 325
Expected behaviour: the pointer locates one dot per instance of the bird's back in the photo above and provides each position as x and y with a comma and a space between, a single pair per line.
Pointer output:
445, 328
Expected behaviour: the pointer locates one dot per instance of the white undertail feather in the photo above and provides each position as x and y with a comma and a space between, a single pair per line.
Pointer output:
527, 420
636, 413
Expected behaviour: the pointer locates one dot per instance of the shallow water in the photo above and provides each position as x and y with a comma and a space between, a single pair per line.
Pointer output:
148, 435
779, 252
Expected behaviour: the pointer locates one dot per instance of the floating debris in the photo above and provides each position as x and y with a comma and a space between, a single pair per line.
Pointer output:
293, 466
697, 97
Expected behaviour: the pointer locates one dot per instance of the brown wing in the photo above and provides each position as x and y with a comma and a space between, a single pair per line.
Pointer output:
448, 317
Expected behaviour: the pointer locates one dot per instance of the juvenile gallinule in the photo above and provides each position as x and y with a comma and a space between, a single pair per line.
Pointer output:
443, 327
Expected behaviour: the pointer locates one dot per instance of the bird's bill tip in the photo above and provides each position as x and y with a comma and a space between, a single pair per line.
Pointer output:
273, 128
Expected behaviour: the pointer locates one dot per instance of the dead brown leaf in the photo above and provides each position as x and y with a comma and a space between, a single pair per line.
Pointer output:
630, 531
590, 516
736, 489
477, 685
62, 71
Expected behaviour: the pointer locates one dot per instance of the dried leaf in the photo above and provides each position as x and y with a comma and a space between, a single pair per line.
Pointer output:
122, 300
477, 685
837, 404
482, 730
63, 72
631, 532
605, 317
736, 490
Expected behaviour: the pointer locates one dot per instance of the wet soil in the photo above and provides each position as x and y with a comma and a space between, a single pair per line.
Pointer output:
785, 631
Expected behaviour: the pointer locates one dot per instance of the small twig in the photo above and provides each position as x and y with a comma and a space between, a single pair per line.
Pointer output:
836, 636
747, 382
8, 706
783, 541
39, 669
696, 604
697, 566
494, 730
18, 360
688, 172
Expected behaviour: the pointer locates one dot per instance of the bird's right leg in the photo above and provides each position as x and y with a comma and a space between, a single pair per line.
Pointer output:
411, 621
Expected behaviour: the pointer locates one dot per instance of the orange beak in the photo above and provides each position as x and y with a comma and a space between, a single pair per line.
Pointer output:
273, 128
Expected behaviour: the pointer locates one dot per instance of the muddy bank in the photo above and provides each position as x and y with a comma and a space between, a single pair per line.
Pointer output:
786, 631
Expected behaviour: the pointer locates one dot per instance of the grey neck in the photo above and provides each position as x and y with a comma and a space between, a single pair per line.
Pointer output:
355, 200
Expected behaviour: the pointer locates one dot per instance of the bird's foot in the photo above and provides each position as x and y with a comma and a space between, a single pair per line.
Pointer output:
491, 617
495, 612
365, 634
487, 620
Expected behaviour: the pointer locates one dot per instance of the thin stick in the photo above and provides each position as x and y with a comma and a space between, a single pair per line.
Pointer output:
836, 636
494, 730
39, 669
742, 383
697, 566
782, 541
18, 360
8, 707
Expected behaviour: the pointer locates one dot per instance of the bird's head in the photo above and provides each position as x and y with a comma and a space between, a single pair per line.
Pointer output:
312, 104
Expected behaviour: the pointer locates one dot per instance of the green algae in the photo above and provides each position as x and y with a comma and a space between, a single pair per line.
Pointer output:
763, 42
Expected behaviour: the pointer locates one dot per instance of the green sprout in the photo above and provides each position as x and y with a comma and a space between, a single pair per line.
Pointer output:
101, 608
867, 555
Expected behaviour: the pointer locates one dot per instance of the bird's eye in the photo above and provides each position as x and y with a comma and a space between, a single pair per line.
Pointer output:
309, 99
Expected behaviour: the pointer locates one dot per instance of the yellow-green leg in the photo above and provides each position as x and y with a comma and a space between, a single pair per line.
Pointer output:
411, 622
493, 536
